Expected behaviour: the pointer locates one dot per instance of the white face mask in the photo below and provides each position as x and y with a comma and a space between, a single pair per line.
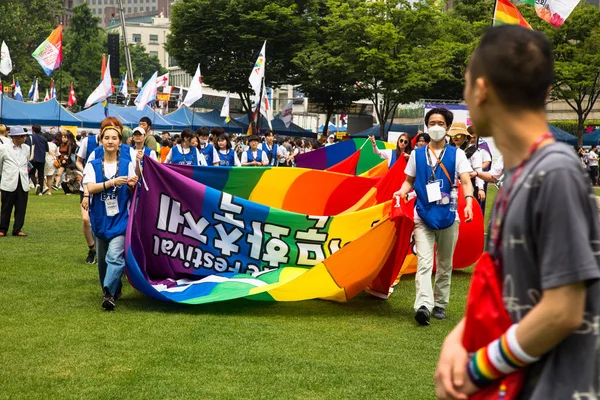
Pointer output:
437, 133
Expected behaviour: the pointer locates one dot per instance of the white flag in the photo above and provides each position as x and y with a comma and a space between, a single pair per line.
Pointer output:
148, 93
258, 72
286, 114
265, 107
103, 91
123, 88
47, 96
225, 108
162, 80
195, 90
36, 92
5, 61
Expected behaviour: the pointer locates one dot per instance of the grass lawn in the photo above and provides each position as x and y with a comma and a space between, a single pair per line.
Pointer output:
58, 343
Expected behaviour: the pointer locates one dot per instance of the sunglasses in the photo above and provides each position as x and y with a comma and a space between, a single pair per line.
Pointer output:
403, 141
459, 136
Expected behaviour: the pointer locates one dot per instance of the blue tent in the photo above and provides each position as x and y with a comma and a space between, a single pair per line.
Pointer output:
561, 135
589, 139
48, 113
215, 119
374, 130
129, 116
158, 121
330, 129
279, 127
184, 115
95, 115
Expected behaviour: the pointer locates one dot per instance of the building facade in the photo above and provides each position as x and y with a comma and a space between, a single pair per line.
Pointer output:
107, 10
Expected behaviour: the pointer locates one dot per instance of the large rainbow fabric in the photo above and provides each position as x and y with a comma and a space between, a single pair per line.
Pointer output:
189, 243
508, 13
49, 53
328, 156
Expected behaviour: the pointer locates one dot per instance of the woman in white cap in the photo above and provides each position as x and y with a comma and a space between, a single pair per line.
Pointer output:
330, 140
139, 136
14, 160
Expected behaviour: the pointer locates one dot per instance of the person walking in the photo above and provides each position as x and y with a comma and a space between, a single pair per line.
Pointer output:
14, 182
39, 151
543, 247
593, 164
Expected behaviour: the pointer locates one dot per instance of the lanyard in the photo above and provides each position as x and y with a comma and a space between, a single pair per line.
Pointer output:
116, 174
439, 164
183, 154
503, 197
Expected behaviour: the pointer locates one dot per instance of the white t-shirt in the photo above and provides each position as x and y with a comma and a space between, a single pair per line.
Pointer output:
83, 147
461, 166
264, 159
593, 159
236, 160
476, 164
199, 156
110, 170
497, 169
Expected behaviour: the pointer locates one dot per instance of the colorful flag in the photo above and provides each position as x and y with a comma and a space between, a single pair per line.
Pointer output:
72, 98
554, 12
258, 72
123, 87
103, 91
18, 94
225, 109
47, 97
194, 92
148, 93
507, 13
5, 61
52, 89
49, 53
162, 80
286, 114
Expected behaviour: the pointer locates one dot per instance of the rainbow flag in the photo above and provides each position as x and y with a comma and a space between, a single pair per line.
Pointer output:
49, 53
507, 13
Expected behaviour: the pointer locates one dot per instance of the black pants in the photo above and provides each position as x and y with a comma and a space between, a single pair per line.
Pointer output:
39, 168
18, 200
593, 174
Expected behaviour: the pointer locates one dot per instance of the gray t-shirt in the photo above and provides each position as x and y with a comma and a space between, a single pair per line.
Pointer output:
550, 239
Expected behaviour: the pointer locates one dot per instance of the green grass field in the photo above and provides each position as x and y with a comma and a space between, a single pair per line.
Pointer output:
58, 343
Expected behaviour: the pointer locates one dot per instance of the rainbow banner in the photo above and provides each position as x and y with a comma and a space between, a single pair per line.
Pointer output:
49, 53
507, 13
189, 243
328, 156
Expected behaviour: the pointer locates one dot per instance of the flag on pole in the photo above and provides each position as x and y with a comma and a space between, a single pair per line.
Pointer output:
52, 89
105, 65
5, 61
47, 97
49, 53
123, 87
103, 91
139, 83
34, 94
225, 109
265, 107
18, 94
162, 80
507, 13
554, 12
286, 114
258, 72
148, 93
72, 98
195, 90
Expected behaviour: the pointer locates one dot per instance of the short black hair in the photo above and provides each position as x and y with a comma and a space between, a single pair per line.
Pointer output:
518, 63
218, 131
224, 136
444, 112
202, 131
253, 138
36, 128
187, 133
146, 120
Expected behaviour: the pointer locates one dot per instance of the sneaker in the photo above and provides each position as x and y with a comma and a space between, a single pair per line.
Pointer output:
439, 313
422, 316
38, 190
46, 190
108, 303
91, 257
54, 187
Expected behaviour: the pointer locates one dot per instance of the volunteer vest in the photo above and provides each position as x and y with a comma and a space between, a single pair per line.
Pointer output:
92, 144
227, 159
271, 154
147, 152
103, 226
177, 157
251, 157
436, 215
207, 151
394, 158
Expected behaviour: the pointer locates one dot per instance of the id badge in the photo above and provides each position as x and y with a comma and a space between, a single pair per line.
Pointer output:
434, 192
112, 207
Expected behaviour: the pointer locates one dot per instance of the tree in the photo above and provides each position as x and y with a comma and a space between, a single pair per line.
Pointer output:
225, 38
577, 60
143, 64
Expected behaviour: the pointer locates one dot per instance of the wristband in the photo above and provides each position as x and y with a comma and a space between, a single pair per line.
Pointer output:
86, 195
467, 196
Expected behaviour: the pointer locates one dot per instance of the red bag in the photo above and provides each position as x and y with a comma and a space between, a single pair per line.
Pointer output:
486, 320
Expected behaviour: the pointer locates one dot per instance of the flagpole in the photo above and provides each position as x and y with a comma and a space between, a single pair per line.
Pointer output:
495, 9
193, 115
259, 105
59, 94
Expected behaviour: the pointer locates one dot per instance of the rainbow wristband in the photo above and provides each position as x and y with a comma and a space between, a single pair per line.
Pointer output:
499, 358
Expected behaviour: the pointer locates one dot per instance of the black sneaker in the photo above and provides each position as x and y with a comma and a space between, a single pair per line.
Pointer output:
91, 257
422, 316
108, 303
439, 313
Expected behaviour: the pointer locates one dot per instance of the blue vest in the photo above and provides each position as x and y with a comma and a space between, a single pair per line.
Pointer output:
147, 152
124, 150
227, 159
271, 154
207, 151
394, 158
92, 144
103, 226
177, 157
435, 216
251, 157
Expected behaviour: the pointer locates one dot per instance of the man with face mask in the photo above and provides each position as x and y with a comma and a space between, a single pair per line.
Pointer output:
204, 146
432, 171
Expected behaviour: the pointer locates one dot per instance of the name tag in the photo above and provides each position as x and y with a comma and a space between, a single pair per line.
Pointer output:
434, 193
112, 207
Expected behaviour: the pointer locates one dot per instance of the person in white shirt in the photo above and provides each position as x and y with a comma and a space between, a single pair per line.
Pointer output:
225, 156
330, 140
185, 153
254, 157
433, 171
14, 184
4, 139
274, 151
593, 163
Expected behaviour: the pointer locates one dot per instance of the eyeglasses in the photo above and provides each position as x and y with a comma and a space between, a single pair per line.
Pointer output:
459, 136
403, 141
